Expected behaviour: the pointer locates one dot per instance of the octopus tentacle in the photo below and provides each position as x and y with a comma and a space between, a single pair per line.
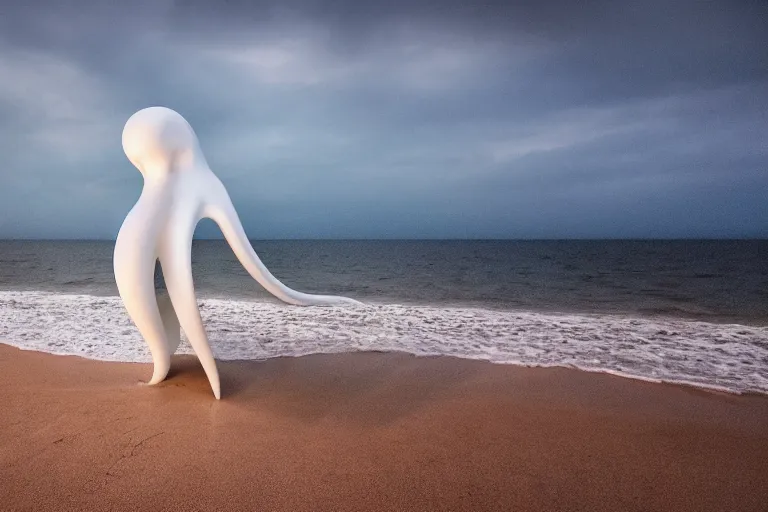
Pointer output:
170, 321
136, 287
176, 260
220, 209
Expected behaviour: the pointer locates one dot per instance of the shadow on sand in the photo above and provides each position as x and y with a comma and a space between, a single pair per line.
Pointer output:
370, 388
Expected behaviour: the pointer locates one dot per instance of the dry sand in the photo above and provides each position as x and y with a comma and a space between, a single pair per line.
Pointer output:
370, 431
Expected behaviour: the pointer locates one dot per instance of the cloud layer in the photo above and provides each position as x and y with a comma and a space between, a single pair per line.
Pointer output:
398, 119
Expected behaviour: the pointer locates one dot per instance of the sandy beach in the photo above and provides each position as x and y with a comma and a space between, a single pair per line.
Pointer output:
370, 431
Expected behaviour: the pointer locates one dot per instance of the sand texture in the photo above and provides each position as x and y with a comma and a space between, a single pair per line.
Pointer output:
370, 431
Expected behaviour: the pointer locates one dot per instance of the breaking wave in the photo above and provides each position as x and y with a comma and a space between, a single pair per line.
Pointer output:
729, 357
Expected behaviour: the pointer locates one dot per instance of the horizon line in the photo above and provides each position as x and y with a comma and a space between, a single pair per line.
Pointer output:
424, 239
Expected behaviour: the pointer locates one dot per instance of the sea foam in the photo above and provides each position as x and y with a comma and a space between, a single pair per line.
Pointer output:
728, 357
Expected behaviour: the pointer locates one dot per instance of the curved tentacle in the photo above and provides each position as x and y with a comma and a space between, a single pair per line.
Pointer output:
176, 261
218, 207
134, 261
139, 300
167, 313
170, 321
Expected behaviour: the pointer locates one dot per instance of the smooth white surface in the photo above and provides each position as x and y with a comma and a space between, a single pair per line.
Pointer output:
179, 190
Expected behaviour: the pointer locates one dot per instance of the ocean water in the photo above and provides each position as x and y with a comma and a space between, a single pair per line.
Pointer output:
682, 311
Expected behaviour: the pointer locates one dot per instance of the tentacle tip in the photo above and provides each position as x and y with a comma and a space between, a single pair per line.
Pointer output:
347, 301
216, 386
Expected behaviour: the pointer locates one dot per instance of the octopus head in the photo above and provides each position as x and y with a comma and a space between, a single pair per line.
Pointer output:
158, 140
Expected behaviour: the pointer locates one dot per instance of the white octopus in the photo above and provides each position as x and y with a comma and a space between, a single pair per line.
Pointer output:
179, 190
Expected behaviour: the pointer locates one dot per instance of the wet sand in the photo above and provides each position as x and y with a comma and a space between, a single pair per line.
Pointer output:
370, 431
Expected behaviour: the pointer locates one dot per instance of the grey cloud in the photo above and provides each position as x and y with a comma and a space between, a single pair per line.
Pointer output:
401, 118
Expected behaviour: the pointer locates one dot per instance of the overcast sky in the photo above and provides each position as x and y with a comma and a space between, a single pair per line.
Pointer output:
397, 119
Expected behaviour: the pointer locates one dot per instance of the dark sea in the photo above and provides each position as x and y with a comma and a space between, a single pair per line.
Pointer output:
561, 293
720, 281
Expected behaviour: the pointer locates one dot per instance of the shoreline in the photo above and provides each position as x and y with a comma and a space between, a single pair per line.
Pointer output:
370, 431
728, 357
710, 388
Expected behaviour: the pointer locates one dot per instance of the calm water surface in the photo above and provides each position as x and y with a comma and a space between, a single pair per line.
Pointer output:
719, 281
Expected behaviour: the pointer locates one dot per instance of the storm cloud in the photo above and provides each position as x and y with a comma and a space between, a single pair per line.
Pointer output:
404, 119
